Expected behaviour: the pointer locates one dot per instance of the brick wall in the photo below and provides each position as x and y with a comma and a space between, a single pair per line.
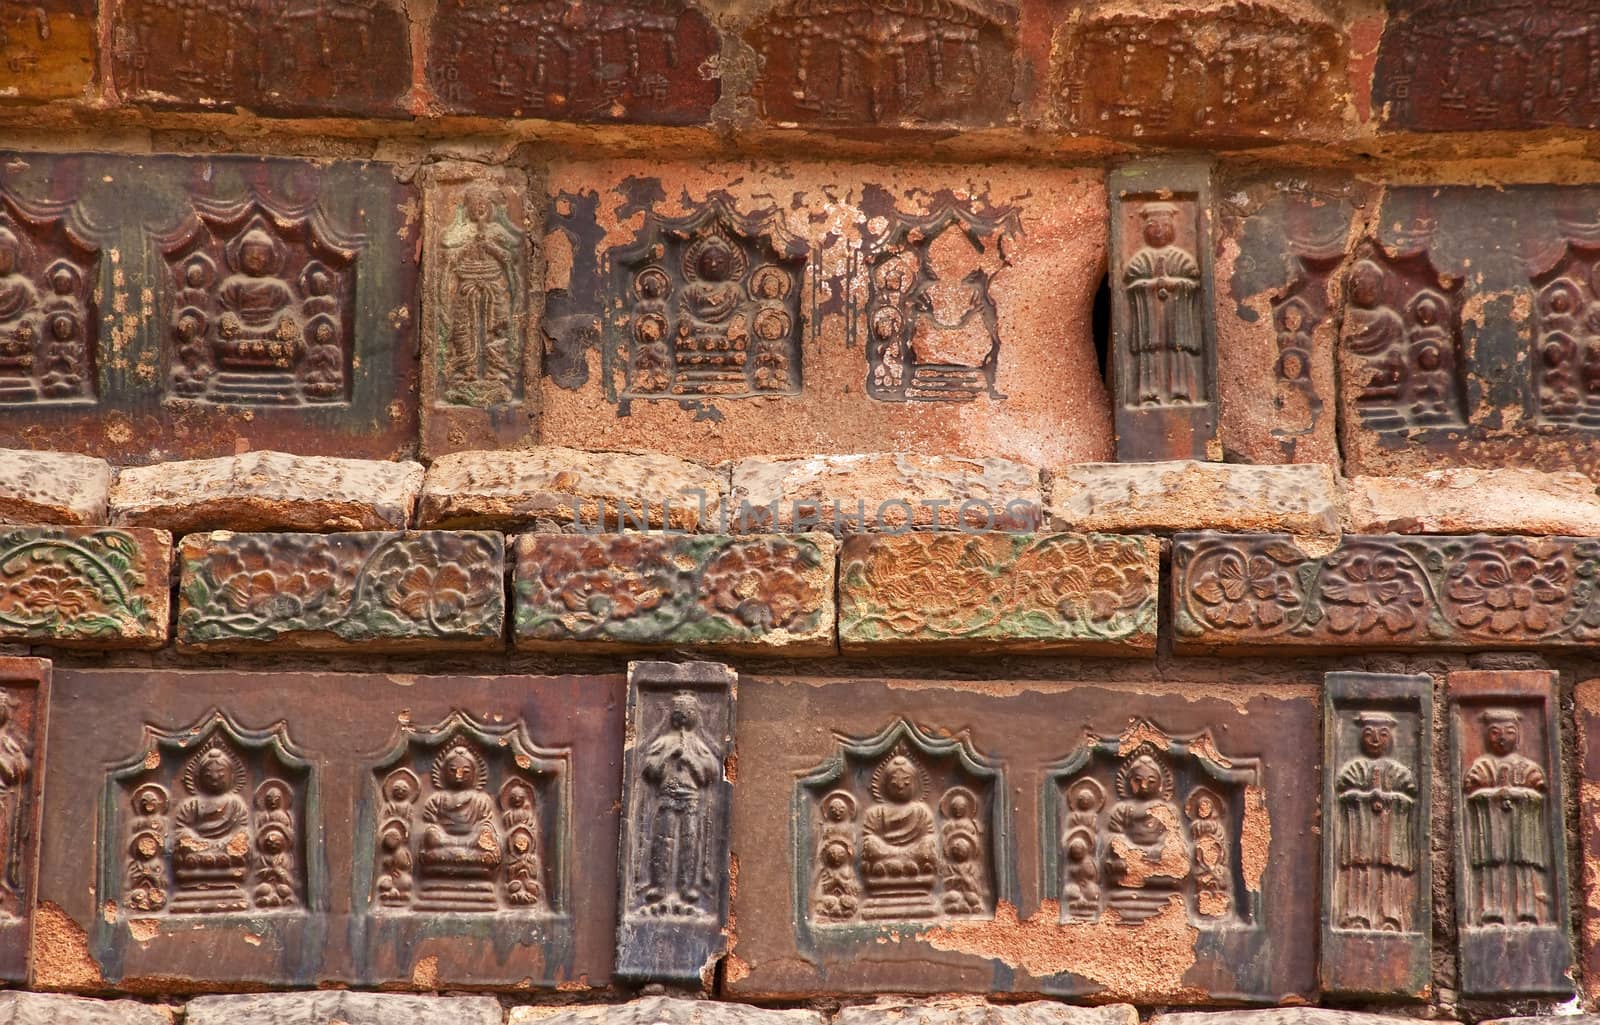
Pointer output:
917, 512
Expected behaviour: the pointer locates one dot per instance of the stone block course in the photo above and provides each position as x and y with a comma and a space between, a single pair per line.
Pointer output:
1188, 495
660, 1010
551, 487
267, 491
1281, 1016
883, 492
1465, 500
85, 587
17, 1008
765, 594
958, 592
973, 1011
342, 1009
366, 591
52, 487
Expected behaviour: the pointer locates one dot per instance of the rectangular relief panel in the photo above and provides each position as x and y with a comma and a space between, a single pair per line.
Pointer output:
1511, 838
156, 308
1241, 593
218, 829
1163, 360
1083, 840
1586, 698
1377, 879
678, 794
24, 710
85, 587
47, 50
690, 313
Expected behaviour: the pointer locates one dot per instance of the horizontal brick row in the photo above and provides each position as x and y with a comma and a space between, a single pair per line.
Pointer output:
1010, 63
1016, 837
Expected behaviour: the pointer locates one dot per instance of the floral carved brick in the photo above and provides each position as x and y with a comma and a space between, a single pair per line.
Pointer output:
959, 591
767, 593
1385, 591
85, 587
376, 590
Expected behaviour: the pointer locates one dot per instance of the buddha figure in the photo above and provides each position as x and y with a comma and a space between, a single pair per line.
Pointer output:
259, 327
19, 302
1507, 845
211, 827
1146, 853
679, 769
899, 845
16, 763
1373, 330
460, 850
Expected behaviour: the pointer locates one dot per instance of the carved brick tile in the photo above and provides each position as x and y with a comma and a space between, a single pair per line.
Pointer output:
343, 57
480, 360
85, 587
52, 487
1377, 873
1163, 358
854, 63
1280, 242
56, 1009
736, 309
1188, 495
929, 836
1467, 500
677, 793
267, 491
430, 590
1455, 65
47, 50
343, 1008
556, 488
1586, 698
1207, 68
1281, 1016
178, 307
663, 1011
884, 492
973, 1011
220, 829
650, 61
1511, 837
964, 592
24, 712
1240, 592
765, 594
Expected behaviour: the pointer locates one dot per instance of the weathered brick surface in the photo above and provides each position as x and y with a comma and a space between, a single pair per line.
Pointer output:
884, 491
843, 781
930, 592
341, 1008
85, 587
598, 60
1187, 495
57, 1009
663, 1011
972, 1011
24, 714
764, 594
178, 307
267, 491
1463, 500
785, 306
1278, 1016
285, 59
319, 856
559, 488
47, 50
372, 590
1586, 700
1236, 593
52, 487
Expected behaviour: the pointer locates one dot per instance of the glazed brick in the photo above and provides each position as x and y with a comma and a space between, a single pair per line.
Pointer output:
267, 491
366, 591
47, 50
998, 592
762, 594
1233, 593
24, 716
85, 587
52, 487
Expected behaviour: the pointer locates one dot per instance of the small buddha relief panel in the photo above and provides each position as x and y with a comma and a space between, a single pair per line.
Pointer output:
899, 829
209, 820
1143, 820
49, 305
1379, 821
636, 60
470, 820
1163, 358
274, 56
709, 307
907, 63
932, 326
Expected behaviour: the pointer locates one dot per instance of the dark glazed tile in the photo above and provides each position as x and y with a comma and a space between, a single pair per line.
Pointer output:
24, 712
